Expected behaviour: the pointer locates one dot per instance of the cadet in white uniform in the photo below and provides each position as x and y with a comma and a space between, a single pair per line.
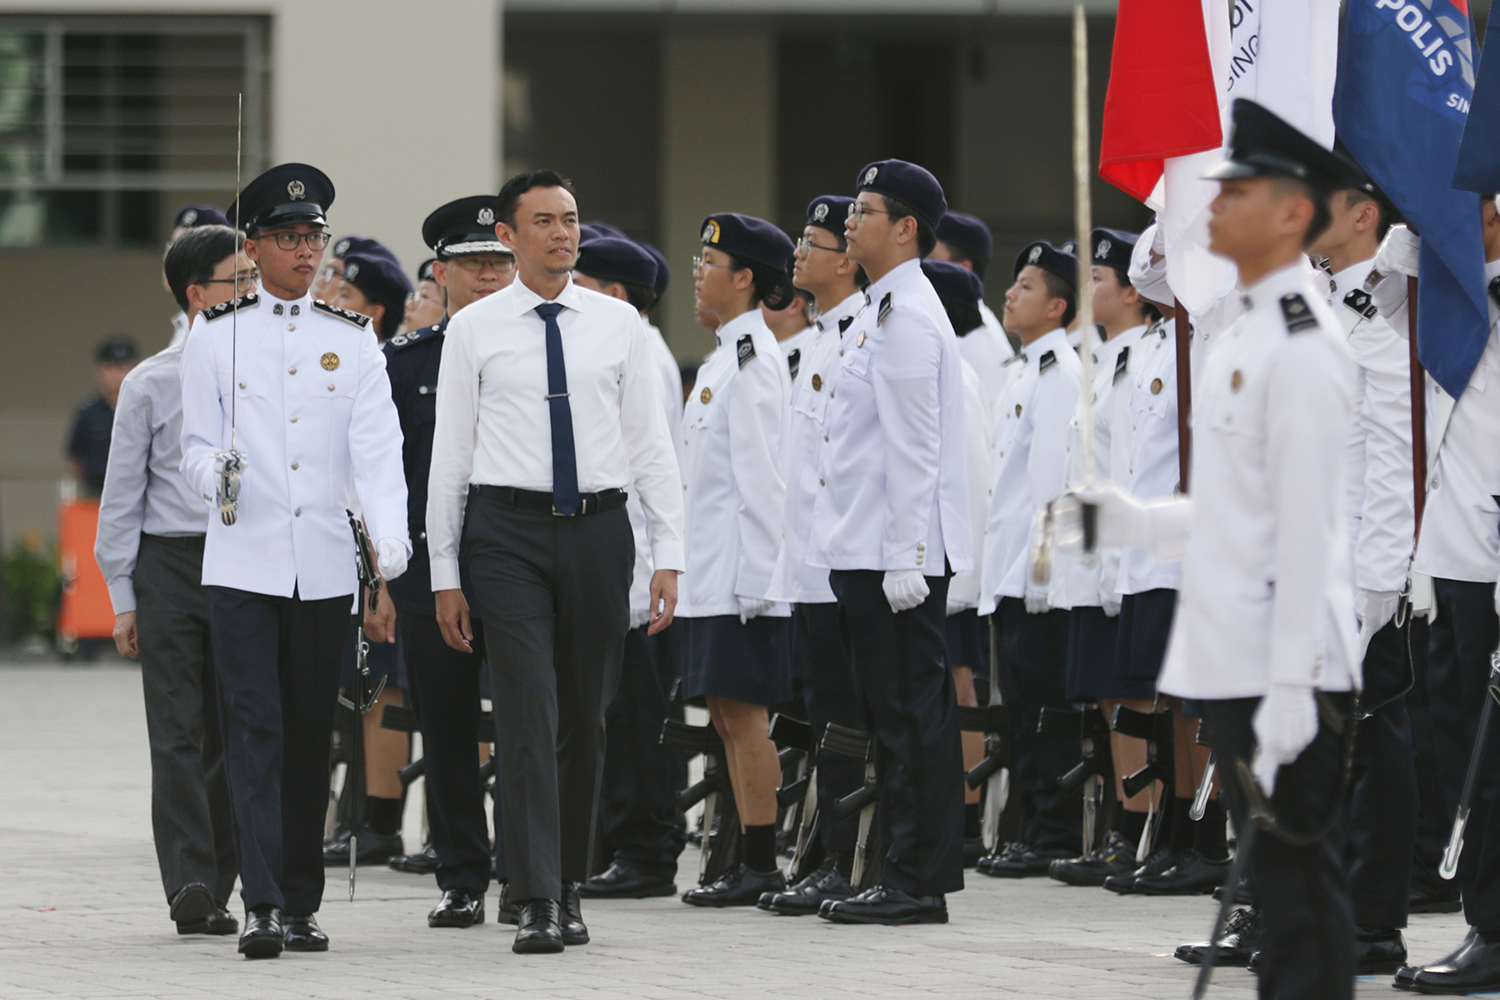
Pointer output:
298, 388
1264, 632
892, 522
822, 267
792, 327
1032, 421
735, 639
966, 241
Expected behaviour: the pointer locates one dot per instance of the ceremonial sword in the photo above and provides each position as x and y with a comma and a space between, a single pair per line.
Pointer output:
1449, 867
230, 465
360, 704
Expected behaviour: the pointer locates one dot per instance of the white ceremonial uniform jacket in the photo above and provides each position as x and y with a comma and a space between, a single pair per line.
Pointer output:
979, 451
795, 579
794, 348
733, 429
670, 389
1151, 470
987, 350
315, 417
1031, 451
1265, 592
892, 477
1461, 521
1082, 580
1380, 482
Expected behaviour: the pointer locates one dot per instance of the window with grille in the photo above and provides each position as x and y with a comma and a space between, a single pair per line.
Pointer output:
108, 123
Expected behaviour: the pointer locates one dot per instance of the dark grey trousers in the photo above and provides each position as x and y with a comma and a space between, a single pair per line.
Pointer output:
554, 595
190, 812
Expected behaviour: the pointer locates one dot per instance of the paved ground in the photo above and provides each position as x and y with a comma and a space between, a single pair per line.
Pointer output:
82, 914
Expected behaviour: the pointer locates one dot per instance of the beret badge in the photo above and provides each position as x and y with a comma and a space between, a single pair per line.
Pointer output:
870, 175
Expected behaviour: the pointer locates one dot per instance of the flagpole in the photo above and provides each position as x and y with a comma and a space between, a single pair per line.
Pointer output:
1084, 222
1184, 395
1418, 413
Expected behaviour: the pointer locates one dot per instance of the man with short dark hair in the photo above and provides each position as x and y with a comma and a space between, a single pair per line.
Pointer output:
88, 442
150, 550
547, 411
375, 286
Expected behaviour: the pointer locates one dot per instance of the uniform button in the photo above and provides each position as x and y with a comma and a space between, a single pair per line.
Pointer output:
297, 512
294, 418
841, 352
242, 385
292, 370
330, 386
831, 394
1434, 482
422, 535
294, 466
825, 437
291, 326
821, 483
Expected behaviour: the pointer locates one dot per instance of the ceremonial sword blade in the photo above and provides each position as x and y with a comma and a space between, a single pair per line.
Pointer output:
1449, 868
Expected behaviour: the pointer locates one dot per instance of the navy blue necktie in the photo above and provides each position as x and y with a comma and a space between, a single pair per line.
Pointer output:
564, 455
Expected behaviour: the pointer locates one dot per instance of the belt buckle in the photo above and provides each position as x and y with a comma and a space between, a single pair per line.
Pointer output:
583, 508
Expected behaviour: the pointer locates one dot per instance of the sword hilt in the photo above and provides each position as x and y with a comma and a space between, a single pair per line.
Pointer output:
1449, 868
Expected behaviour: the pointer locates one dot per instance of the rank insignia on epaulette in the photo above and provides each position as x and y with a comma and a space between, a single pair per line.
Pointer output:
225, 308
746, 349
1298, 315
793, 362
886, 305
1360, 301
1122, 363
347, 315
1048, 360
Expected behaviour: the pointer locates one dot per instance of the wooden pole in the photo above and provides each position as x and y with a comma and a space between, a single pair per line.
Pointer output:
1083, 221
1184, 395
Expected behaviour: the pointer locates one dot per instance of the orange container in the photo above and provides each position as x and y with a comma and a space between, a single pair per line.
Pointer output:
86, 612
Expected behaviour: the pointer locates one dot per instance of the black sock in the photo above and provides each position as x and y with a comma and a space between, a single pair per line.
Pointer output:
1209, 837
972, 829
760, 847
1181, 837
383, 815
1131, 825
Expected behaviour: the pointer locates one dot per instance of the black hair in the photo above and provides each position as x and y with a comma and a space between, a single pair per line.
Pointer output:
1358, 196
195, 256
964, 316
641, 298
963, 255
395, 312
897, 210
769, 286
1147, 307
1059, 287
510, 193
1319, 194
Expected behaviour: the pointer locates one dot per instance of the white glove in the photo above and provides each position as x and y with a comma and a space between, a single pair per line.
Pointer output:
391, 555
1497, 598
1375, 608
1284, 724
1110, 604
753, 607
1036, 601
1119, 524
904, 588
1399, 252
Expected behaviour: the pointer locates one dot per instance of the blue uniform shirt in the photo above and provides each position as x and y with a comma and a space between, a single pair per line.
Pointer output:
412, 361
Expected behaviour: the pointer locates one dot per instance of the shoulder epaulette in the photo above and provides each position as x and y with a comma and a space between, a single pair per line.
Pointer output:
347, 315
1298, 316
225, 308
423, 335
1048, 360
745, 347
794, 362
1360, 301
1122, 363
886, 305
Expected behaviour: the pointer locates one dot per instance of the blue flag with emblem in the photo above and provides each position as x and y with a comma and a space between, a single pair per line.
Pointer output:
1479, 156
1405, 82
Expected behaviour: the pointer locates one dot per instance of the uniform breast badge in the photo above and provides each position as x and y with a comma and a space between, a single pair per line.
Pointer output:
330, 361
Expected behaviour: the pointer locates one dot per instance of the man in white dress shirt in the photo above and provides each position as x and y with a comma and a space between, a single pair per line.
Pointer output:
547, 412
296, 391
150, 550
891, 522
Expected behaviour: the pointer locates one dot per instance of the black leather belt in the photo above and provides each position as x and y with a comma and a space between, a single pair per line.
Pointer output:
535, 500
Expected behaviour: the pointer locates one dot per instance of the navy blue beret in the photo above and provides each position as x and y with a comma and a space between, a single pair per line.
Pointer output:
379, 278
953, 282
287, 193
908, 183
829, 211
1112, 247
663, 272
189, 216
465, 226
424, 272
748, 238
1049, 258
967, 234
590, 230
346, 245
609, 258
116, 351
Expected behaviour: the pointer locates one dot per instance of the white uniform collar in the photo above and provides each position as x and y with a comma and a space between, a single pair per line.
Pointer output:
898, 276
1351, 278
744, 323
1291, 278
524, 299
265, 300
1057, 340
848, 307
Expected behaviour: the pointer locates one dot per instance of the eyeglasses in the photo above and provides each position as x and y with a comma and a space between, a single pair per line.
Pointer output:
805, 247
702, 264
289, 241
330, 273
858, 211
474, 265
242, 284
417, 298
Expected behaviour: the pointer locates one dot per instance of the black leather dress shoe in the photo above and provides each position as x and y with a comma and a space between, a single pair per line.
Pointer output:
1242, 896
221, 921
192, 903
507, 910
302, 933
1116, 857
886, 905
1253, 966
1025, 862
622, 881
1475, 969
262, 937
808, 896
1240, 940
540, 932
739, 887
1407, 974
1006, 850
1378, 952
574, 930
1159, 861
424, 862
1192, 875
458, 908
374, 849
1434, 902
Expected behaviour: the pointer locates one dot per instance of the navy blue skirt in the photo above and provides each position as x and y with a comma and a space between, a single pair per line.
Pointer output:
749, 662
1091, 671
1145, 627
